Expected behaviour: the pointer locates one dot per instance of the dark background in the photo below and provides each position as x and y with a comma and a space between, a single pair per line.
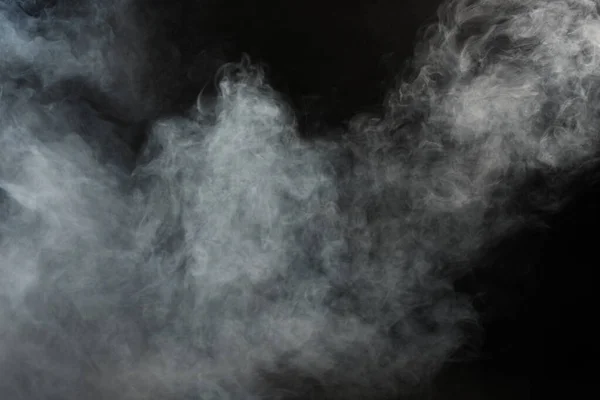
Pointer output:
333, 58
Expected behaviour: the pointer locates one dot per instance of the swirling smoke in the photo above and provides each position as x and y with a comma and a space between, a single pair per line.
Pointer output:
233, 258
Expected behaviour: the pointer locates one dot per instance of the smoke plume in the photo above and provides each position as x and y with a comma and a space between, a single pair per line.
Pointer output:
233, 258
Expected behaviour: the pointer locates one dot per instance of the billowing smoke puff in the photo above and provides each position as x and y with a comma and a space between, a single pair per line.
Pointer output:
235, 260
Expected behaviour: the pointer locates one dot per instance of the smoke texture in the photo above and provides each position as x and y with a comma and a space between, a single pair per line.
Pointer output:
232, 257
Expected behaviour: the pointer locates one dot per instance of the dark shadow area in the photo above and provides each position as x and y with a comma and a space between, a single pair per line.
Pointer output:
333, 59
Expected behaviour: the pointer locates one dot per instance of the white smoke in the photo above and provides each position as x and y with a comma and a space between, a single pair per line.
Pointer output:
237, 260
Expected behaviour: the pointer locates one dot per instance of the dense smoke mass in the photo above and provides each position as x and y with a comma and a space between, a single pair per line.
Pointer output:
218, 250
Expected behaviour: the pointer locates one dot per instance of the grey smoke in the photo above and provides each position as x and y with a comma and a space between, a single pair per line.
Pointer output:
237, 260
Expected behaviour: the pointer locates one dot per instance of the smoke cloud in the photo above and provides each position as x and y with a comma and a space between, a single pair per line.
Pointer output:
235, 259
